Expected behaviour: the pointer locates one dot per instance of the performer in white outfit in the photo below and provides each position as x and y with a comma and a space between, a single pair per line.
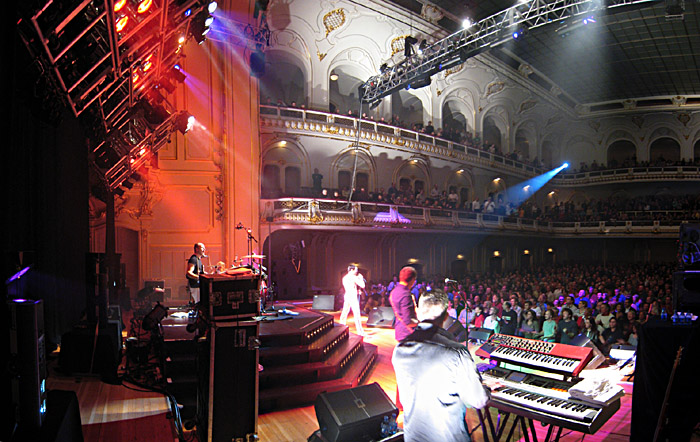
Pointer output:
352, 282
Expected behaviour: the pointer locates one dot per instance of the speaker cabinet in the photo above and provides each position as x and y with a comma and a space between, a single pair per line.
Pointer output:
353, 415
686, 291
28, 356
455, 328
381, 317
689, 247
227, 391
480, 334
325, 302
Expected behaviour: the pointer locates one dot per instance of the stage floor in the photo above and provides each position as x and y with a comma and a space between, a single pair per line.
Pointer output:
112, 413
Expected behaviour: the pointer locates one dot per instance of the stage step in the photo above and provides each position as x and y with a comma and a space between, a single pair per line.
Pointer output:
356, 366
329, 368
301, 354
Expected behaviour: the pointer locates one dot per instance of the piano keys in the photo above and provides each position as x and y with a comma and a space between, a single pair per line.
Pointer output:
547, 356
545, 400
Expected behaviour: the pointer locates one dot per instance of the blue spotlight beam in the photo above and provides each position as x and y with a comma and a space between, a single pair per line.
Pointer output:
522, 191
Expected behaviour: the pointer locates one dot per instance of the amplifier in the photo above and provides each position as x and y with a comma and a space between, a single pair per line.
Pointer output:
230, 297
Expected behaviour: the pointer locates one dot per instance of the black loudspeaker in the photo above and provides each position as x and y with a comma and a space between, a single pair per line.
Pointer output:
455, 328
63, 422
598, 356
353, 415
686, 291
28, 362
381, 317
81, 353
480, 334
324, 302
689, 247
257, 64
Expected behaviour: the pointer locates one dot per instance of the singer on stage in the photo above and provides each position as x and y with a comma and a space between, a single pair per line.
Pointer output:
352, 283
194, 269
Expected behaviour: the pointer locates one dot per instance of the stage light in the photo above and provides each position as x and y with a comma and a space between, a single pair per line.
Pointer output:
118, 5
408, 46
121, 23
188, 13
177, 74
184, 122
167, 85
135, 77
144, 6
565, 165
496, 253
550, 250
467, 23
209, 21
422, 46
147, 65
590, 19
516, 34
181, 39
212, 7
119, 191
526, 252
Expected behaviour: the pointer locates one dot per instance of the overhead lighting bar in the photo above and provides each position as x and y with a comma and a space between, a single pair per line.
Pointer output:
478, 38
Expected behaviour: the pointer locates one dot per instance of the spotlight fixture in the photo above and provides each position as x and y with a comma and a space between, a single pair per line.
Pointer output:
408, 46
383, 68
184, 122
565, 165
118, 5
177, 74
212, 7
467, 23
144, 6
421, 47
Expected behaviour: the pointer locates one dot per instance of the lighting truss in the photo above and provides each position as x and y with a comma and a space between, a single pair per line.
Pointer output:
242, 34
100, 64
489, 32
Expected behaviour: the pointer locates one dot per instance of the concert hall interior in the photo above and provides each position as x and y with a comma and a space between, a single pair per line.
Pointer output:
189, 183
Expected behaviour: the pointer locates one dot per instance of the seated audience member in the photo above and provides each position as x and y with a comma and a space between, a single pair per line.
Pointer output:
611, 335
549, 326
478, 321
567, 326
590, 329
492, 321
530, 327
603, 318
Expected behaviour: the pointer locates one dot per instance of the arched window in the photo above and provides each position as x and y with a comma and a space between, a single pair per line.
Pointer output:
622, 153
492, 134
664, 150
408, 108
283, 80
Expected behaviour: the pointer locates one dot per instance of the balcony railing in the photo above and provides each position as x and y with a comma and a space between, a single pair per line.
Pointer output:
312, 212
384, 133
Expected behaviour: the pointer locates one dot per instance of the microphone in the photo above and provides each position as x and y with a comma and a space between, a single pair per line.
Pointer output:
205, 256
240, 226
448, 280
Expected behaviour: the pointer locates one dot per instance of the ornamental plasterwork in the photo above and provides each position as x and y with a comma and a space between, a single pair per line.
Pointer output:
525, 69
453, 70
431, 13
556, 90
595, 125
678, 100
527, 105
629, 104
684, 118
334, 20
397, 44
320, 55
554, 119
638, 120
494, 88
314, 214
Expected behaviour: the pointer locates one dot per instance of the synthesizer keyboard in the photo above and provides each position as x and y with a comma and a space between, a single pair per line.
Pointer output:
547, 356
545, 400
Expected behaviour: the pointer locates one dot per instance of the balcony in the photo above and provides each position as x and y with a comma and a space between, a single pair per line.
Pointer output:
310, 121
311, 213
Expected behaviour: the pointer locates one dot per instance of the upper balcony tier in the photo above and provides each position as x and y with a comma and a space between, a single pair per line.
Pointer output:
298, 120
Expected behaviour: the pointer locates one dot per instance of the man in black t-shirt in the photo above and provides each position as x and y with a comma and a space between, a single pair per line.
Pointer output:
194, 269
509, 320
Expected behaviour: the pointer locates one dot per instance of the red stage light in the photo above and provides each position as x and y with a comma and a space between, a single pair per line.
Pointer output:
121, 23
118, 5
147, 65
144, 6
135, 77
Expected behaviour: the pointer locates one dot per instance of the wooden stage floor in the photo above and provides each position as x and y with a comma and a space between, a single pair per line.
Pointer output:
114, 413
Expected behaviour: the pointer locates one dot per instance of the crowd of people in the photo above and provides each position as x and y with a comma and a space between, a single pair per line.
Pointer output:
555, 304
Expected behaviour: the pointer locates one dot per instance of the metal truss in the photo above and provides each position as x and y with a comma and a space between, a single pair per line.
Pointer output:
242, 34
489, 32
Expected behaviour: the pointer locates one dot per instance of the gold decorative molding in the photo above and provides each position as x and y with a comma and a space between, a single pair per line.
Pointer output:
314, 216
397, 44
333, 20
320, 55
453, 70
495, 87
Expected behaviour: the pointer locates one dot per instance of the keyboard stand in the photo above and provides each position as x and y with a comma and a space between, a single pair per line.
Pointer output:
527, 426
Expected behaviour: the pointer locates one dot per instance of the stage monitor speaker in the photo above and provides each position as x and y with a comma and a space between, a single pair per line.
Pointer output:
598, 356
324, 302
353, 415
155, 283
381, 317
686, 291
480, 334
455, 328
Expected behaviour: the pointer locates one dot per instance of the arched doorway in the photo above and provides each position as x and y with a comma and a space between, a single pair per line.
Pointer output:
664, 150
343, 90
622, 153
408, 108
283, 80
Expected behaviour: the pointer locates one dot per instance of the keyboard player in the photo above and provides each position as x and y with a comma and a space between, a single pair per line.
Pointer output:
436, 377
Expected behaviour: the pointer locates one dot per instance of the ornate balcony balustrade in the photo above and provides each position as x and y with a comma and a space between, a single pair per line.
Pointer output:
322, 213
303, 120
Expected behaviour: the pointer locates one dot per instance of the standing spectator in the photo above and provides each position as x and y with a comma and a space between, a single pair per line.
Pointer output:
567, 325
493, 322
509, 320
549, 326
